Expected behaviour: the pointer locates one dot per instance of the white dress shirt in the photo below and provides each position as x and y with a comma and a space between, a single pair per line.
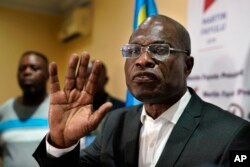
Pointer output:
153, 135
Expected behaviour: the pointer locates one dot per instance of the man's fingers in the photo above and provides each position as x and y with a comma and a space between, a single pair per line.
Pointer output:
82, 72
71, 72
54, 82
94, 77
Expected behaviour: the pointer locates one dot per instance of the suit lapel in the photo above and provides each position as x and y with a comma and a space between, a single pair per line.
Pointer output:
131, 138
181, 133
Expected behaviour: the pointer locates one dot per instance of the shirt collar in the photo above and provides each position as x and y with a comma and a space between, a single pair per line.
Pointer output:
174, 112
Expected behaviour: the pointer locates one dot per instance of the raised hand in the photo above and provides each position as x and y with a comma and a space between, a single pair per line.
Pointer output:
71, 114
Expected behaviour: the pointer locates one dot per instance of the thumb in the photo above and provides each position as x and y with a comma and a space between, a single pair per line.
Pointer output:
99, 114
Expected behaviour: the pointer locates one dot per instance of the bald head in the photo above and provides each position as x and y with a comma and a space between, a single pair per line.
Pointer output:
167, 27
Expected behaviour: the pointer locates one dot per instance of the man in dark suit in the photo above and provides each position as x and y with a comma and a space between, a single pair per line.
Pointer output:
173, 127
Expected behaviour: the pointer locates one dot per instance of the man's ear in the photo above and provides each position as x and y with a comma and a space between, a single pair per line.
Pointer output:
189, 65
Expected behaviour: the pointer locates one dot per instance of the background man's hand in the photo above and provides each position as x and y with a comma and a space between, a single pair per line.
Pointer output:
71, 115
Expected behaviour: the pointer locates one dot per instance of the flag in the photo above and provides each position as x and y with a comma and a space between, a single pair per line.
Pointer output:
143, 9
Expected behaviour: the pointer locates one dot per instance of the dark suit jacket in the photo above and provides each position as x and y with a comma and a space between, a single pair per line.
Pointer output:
204, 134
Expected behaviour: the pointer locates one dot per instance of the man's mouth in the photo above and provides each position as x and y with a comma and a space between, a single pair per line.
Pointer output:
144, 77
28, 81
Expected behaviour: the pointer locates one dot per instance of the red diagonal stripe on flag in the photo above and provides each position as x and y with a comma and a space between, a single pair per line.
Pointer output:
207, 4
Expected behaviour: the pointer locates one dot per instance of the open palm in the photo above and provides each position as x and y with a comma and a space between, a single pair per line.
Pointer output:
71, 114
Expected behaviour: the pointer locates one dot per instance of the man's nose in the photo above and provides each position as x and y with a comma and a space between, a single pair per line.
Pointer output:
28, 70
145, 60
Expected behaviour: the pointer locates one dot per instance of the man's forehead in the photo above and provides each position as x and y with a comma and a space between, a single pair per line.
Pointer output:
31, 59
156, 34
156, 29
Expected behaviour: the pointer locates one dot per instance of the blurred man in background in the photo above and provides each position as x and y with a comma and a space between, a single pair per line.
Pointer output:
101, 96
24, 119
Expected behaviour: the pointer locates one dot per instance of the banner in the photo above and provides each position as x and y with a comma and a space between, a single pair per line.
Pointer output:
143, 9
220, 38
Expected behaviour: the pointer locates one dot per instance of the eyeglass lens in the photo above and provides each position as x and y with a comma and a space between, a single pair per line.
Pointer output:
157, 50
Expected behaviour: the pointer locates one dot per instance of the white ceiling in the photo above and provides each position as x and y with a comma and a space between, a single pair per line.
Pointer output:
52, 7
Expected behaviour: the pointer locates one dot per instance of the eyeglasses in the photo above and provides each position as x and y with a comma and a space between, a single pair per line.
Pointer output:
158, 51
